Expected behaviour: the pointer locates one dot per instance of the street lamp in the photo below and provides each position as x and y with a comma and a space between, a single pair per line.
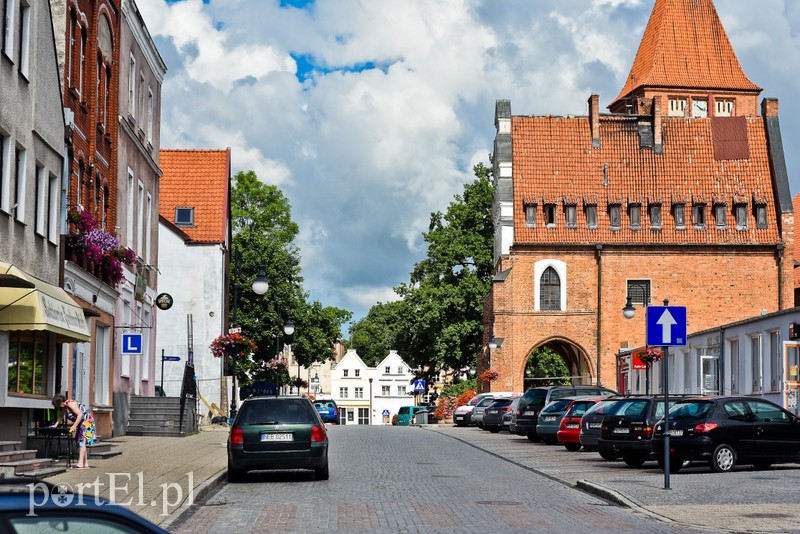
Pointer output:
315, 383
288, 329
259, 286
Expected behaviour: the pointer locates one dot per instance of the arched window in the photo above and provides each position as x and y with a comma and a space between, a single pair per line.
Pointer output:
550, 290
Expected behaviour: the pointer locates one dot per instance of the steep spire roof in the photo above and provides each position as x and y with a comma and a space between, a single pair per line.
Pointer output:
685, 46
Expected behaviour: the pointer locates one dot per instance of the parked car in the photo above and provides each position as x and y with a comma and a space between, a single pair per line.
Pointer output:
550, 419
590, 426
405, 415
480, 408
463, 414
726, 431
493, 415
31, 505
283, 432
328, 411
627, 428
507, 417
526, 416
569, 428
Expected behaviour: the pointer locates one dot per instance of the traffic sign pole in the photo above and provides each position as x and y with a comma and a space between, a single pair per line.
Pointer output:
162, 370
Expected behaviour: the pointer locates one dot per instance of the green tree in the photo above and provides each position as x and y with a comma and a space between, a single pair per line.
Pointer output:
375, 335
263, 237
441, 323
547, 366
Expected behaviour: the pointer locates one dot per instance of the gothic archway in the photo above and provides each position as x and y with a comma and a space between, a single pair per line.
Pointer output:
577, 364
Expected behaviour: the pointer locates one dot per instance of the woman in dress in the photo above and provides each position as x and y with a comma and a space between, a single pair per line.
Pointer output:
82, 426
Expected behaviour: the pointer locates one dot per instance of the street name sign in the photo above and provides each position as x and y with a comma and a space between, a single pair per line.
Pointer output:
171, 358
666, 326
131, 343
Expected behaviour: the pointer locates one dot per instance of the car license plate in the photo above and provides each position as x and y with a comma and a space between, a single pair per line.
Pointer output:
622, 431
492, 411
676, 432
549, 419
594, 425
277, 437
529, 413
571, 425
459, 417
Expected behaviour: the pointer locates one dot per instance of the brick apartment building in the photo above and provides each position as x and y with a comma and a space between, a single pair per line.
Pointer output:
680, 193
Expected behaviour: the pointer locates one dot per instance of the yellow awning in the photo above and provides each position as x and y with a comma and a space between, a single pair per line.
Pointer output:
27, 303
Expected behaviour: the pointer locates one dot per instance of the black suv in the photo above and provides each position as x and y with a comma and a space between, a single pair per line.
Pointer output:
627, 427
526, 416
728, 430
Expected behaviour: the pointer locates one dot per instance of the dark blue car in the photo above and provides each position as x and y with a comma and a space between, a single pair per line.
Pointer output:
327, 410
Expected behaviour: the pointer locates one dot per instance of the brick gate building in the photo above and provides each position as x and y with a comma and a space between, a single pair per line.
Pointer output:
680, 193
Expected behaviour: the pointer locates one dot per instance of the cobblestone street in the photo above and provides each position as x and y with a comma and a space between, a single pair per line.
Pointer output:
407, 479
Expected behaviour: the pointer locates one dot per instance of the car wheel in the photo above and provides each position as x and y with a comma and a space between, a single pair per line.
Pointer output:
534, 437
549, 441
461, 423
235, 475
632, 460
494, 429
607, 456
762, 464
572, 447
723, 459
322, 473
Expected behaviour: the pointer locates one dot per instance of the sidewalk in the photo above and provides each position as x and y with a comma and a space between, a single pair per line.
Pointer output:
154, 476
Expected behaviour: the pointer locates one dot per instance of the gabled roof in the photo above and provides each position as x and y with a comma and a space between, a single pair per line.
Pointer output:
198, 179
351, 357
393, 356
685, 46
554, 163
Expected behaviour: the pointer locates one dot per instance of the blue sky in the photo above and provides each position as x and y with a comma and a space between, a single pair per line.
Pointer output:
370, 114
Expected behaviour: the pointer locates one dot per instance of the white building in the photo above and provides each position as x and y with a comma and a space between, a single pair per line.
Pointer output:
370, 395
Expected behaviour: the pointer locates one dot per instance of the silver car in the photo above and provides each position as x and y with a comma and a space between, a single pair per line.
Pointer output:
480, 408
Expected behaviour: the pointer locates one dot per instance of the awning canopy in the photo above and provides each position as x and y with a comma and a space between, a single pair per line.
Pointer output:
27, 303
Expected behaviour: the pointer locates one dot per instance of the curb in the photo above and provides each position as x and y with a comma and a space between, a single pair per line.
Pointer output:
201, 491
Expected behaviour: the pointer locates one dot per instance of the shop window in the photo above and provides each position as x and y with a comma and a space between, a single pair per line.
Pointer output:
27, 357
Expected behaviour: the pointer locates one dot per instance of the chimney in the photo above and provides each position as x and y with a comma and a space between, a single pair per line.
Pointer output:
769, 107
657, 147
594, 120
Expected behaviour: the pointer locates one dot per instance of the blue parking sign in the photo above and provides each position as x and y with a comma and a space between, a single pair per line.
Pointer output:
666, 326
131, 343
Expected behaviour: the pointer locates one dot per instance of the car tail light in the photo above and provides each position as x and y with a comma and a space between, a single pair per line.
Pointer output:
643, 431
317, 434
237, 436
506, 409
705, 427
336, 412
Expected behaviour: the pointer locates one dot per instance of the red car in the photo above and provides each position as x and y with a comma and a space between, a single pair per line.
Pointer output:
569, 433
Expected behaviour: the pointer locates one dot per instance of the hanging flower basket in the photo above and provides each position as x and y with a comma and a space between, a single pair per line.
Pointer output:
96, 250
648, 355
299, 383
277, 364
232, 345
489, 375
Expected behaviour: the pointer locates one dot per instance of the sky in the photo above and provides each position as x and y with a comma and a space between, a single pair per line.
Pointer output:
370, 114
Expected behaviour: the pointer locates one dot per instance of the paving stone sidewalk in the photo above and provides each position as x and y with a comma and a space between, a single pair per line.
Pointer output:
157, 477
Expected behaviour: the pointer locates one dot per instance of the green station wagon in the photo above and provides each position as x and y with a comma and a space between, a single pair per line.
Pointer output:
277, 433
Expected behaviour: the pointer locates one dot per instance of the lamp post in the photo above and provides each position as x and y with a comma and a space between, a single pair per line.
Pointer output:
494, 344
288, 329
314, 383
260, 286
629, 312
370, 400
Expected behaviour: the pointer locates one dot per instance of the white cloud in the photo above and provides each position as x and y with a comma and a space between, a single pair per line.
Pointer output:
365, 157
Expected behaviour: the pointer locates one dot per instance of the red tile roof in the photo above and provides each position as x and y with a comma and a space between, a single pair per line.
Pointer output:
554, 162
685, 46
198, 179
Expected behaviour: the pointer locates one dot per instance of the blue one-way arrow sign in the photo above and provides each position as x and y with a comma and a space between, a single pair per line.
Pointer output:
666, 326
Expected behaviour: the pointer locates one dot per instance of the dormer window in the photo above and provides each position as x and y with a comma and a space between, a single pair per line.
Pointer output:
635, 214
591, 217
677, 107
741, 216
679, 213
614, 216
720, 216
550, 215
700, 108
655, 216
530, 215
184, 216
723, 107
699, 216
569, 214
761, 216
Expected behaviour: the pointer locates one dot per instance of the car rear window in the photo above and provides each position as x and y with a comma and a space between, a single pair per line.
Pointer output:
501, 402
404, 410
556, 406
632, 408
486, 402
579, 408
534, 396
600, 407
692, 410
274, 411
561, 393
324, 404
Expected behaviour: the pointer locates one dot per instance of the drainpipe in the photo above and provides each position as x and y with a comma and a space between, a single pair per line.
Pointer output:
599, 256
780, 276
721, 377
